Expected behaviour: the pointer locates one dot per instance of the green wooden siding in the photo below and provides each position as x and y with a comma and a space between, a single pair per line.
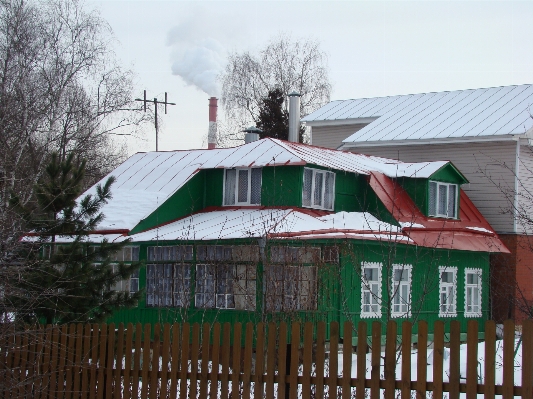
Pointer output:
418, 190
449, 174
349, 191
214, 187
339, 286
282, 186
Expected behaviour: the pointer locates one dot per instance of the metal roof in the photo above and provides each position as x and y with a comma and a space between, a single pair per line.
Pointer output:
146, 180
485, 112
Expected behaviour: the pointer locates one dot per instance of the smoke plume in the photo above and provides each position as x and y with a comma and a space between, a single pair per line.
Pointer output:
199, 63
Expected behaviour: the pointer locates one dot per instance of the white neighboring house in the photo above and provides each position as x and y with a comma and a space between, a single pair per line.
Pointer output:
486, 133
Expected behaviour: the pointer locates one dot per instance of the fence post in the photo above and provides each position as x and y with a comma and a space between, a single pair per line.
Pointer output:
361, 360
422, 362
347, 360
320, 358
376, 360
490, 359
333, 358
407, 331
508, 359
438, 358
471, 359
390, 360
527, 359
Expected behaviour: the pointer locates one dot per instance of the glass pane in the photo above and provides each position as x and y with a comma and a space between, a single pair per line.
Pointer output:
243, 186
308, 180
135, 254
317, 196
432, 198
451, 200
443, 200
255, 192
328, 193
229, 189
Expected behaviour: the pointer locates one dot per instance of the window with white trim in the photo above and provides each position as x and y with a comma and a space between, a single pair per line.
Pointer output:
401, 291
370, 289
473, 293
443, 199
318, 189
225, 286
242, 186
447, 291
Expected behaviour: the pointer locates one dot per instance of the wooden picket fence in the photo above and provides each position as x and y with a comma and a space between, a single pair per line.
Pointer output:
168, 361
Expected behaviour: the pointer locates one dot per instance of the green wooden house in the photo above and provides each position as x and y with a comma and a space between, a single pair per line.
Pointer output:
273, 230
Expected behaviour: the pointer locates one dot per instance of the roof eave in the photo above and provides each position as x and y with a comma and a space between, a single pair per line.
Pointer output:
338, 122
447, 140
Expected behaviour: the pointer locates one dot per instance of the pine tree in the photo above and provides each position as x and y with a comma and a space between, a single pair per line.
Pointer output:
70, 281
273, 118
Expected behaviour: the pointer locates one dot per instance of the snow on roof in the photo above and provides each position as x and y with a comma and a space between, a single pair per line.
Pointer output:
491, 111
146, 180
256, 223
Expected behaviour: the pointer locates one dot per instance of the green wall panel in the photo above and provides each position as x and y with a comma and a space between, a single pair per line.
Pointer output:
282, 186
214, 187
449, 174
418, 191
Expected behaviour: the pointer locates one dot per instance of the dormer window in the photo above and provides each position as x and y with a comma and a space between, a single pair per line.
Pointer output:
443, 199
242, 186
318, 189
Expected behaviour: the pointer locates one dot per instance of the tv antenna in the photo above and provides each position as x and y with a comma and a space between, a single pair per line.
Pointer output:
156, 102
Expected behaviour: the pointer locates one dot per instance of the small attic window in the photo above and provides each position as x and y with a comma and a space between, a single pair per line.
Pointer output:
242, 186
318, 189
443, 199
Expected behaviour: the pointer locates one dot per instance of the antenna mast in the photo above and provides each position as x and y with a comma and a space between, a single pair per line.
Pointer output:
144, 100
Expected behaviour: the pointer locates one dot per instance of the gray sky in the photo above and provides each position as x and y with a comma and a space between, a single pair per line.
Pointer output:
375, 48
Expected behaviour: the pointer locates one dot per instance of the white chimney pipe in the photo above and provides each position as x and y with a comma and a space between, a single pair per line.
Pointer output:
252, 134
294, 117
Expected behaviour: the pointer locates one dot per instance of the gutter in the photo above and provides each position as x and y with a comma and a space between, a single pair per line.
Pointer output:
450, 140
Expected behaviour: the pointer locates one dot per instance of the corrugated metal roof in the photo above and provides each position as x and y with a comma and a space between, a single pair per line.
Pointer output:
276, 223
146, 180
492, 111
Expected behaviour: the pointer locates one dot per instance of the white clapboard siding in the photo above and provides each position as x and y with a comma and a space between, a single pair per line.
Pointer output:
332, 136
489, 167
525, 189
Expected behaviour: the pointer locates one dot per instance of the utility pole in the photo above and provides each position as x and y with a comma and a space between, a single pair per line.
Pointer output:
155, 111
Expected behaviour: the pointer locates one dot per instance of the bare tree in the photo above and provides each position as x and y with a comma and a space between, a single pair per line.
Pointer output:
284, 63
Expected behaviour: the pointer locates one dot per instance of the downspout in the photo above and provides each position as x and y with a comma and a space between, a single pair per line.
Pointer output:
516, 176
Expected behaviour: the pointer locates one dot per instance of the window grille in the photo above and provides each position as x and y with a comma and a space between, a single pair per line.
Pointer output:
401, 291
473, 293
442, 199
371, 289
168, 285
318, 189
225, 286
242, 186
290, 288
448, 297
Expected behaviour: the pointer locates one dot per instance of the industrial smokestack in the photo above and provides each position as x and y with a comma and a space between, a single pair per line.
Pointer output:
212, 134
294, 117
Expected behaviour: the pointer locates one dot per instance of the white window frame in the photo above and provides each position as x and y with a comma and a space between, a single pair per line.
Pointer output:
473, 312
249, 189
312, 203
396, 290
437, 212
444, 288
367, 289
